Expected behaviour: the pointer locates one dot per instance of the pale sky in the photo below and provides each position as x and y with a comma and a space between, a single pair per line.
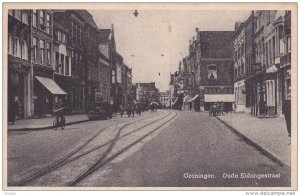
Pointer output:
142, 40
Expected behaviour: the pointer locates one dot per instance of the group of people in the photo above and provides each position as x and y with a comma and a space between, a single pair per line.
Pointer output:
217, 109
133, 109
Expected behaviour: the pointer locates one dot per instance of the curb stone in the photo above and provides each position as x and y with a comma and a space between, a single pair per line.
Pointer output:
47, 127
254, 144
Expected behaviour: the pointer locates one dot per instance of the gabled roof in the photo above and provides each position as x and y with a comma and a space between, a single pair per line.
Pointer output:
88, 18
104, 35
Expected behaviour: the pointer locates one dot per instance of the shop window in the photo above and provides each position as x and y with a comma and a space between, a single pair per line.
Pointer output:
62, 61
57, 62
270, 85
67, 66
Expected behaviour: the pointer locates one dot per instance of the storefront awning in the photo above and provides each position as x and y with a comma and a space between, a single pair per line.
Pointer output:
194, 98
187, 98
173, 103
51, 86
219, 97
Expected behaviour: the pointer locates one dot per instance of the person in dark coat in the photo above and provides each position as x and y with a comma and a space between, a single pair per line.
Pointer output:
14, 110
286, 110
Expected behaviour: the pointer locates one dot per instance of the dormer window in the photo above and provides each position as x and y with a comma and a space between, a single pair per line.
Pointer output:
212, 71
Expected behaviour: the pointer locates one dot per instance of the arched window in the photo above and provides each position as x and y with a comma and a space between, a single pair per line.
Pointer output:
24, 50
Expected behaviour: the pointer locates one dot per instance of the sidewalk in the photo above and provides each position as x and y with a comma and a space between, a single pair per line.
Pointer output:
44, 123
269, 135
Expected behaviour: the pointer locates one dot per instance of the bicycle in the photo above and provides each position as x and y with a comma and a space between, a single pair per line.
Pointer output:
60, 124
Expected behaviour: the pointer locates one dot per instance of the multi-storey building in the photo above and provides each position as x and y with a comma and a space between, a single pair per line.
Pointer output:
165, 98
214, 69
147, 93
19, 61
249, 25
74, 24
62, 61
243, 56
45, 91
128, 85
269, 48
107, 47
284, 73
239, 66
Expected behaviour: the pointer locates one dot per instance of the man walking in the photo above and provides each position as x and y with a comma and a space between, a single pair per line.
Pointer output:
286, 110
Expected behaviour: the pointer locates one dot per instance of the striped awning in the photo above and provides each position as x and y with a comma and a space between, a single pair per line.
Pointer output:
194, 98
51, 86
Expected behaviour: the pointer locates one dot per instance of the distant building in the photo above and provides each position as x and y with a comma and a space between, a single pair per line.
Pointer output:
214, 68
147, 92
165, 98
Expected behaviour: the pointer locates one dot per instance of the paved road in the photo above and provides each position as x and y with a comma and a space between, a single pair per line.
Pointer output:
194, 145
191, 150
30, 151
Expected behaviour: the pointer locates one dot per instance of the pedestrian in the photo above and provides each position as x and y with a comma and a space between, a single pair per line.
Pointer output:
121, 110
222, 108
286, 110
14, 110
60, 106
233, 107
214, 109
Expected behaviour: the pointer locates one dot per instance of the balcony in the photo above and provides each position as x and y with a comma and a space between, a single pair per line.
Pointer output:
285, 60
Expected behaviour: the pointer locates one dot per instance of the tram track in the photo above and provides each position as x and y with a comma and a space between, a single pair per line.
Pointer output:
62, 161
102, 161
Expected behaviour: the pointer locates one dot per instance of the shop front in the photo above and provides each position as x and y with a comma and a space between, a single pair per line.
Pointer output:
240, 96
227, 99
19, 88
46, 94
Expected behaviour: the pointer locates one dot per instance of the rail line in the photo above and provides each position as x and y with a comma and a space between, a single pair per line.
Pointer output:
102, 161
105, 144
57, 163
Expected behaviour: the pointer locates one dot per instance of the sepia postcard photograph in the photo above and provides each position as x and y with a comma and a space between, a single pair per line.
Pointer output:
149, 96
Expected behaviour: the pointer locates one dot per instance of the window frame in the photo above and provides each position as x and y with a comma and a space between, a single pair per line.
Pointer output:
42, 54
